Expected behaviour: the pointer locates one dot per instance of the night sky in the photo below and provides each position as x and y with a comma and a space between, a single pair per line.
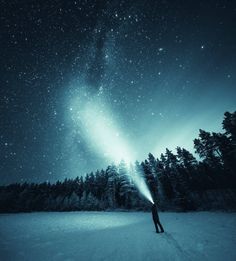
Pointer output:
86, 83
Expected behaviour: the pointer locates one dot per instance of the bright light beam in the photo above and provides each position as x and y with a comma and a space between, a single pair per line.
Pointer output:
139, 182
101, 131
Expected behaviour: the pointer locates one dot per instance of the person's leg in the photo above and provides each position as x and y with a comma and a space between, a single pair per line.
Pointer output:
160, 225
157, 230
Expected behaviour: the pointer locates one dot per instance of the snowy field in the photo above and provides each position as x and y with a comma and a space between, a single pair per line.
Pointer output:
117, 236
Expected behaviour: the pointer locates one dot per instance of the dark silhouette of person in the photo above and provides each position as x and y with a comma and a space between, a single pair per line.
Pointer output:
156, 219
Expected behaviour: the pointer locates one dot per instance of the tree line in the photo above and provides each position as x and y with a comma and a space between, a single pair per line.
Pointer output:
177, 181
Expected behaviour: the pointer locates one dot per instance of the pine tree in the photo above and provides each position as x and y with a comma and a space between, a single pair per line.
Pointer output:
229, 125
74, 201
124, 185
165, 180
207, 148
112, 180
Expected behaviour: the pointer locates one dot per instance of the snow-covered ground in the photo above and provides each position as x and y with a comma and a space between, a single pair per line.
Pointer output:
117, 236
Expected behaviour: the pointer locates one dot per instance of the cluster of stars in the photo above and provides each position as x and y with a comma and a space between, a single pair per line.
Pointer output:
151, 63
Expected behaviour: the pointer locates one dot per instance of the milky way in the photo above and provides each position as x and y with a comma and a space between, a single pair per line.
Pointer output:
84, 83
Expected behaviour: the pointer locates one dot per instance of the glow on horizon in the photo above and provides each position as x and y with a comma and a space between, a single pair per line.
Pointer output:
184, 133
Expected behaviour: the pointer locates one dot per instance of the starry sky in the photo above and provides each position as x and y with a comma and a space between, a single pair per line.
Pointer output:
84, 83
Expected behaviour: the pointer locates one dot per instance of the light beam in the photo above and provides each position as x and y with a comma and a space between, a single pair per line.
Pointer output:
138, 179
97, 124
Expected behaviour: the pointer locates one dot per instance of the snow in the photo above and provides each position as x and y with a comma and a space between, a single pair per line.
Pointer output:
115, 236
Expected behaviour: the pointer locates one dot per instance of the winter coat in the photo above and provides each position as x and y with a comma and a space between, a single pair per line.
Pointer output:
154, 213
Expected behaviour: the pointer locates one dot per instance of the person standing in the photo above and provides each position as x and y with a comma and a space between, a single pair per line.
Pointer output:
156, 219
